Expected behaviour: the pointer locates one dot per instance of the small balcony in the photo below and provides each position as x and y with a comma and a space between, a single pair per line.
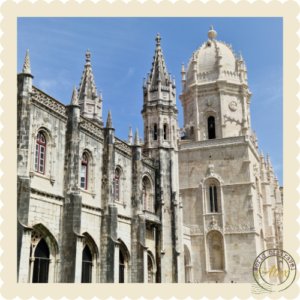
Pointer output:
151, 217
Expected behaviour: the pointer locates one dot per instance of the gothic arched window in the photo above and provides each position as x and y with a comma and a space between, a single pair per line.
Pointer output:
86, 272
84, 172
41, 263
155, 132
147, 194
211, 127
117, 185
213, 198
40, 153
165, 131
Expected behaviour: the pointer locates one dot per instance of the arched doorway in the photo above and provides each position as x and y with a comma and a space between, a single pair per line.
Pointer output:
41, 263
86, 272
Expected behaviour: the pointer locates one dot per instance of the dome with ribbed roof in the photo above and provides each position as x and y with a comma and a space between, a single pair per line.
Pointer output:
211, 58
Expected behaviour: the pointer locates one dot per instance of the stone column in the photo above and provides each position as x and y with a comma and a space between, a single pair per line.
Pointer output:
110, 214
197, 123
71, 215
24, 95
138, 225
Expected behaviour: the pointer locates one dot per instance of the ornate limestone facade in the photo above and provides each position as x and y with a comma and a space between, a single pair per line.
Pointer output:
195, 204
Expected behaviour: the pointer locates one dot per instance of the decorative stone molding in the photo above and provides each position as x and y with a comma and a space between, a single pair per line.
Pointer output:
48, 102
149, 161
89, 126
232, 229
43, 193
122, 146
213, 143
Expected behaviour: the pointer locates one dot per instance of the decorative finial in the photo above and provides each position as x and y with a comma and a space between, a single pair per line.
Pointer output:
74, 99
174, 85
261, 153
212, 33
26, 66
182, 68
158, 38
88, 55
148, 80
109, 120
144, 84
136, 138
100, 96
240, 56
130, 136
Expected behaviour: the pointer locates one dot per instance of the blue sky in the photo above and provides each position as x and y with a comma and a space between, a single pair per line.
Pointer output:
122, 53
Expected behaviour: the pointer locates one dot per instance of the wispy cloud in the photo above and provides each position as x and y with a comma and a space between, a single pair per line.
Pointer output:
129, 74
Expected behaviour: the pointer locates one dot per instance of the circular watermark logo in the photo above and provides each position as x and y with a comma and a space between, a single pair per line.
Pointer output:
274, 270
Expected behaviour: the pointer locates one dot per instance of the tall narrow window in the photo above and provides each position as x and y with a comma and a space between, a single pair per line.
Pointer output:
86, 272
144, 197
117, 185
41, 263
165, 132
192, 130
155, 132
84, 170
40, 153
121, 267
211, 128
213, 198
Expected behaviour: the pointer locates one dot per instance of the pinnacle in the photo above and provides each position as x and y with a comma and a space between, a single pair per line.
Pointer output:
159, 70
74, 99
136, 138
109, 123
26, 65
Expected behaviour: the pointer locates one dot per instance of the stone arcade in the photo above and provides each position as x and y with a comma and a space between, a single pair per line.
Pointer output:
195, 204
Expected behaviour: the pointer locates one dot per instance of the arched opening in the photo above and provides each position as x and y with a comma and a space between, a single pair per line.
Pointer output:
124, 260
87, 262
213, 198
155, 132
211, 127
40, 153
121, 267
84, 172
165, 131
147, 194
187, 265
150, 269
216, 250
41, 263
117, 185
192, 130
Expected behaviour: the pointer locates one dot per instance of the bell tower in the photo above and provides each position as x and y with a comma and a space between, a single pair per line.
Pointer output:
161, 143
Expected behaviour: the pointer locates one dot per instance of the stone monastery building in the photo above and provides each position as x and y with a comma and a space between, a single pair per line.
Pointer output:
195, 204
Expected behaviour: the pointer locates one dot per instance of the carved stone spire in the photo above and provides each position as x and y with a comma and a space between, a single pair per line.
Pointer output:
130, 136
74, 99
26, 66
87, 94
136, 138
109, 123
159, 70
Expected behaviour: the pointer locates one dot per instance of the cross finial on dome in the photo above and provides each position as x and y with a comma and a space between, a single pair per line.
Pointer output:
212, 33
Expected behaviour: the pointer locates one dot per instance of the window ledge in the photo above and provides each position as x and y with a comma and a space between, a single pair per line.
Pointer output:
216, 271
121, 203
87, 192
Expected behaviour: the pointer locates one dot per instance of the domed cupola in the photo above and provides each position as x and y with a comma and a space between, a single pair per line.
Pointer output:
214, 60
